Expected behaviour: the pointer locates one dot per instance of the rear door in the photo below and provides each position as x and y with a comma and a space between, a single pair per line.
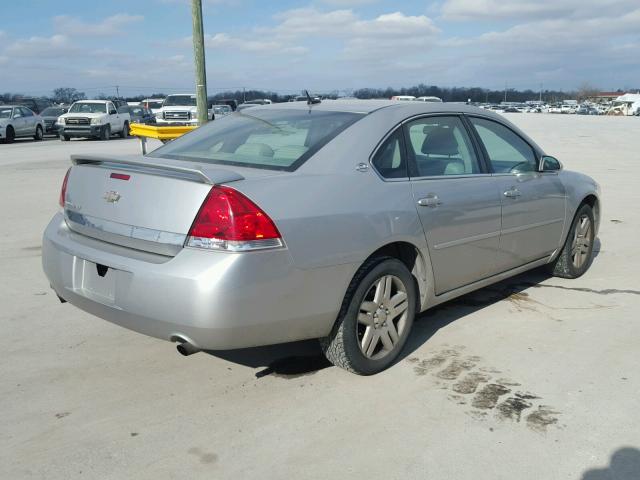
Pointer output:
457, 200
30, 121
533, 203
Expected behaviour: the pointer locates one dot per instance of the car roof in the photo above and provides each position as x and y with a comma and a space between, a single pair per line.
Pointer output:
9, 106
370, 106
92, 101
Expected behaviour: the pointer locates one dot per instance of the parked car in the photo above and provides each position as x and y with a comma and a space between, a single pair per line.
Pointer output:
50, 116
17, 122
36, 105
154, 104
94, 119
221, 110
139, 114
428, 99
339, 221
179, 109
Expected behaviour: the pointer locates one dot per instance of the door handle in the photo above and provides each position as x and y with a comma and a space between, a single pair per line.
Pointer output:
512, 193
430, 200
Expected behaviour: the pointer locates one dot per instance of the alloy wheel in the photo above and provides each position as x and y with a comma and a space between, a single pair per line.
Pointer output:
382, 317
581, 246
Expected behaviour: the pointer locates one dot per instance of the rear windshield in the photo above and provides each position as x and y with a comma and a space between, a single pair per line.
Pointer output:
260, 138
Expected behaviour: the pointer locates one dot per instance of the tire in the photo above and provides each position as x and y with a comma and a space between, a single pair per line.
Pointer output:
125, 130
10, 135
577, 253
362, 340
106, 133
64, 138
39, 135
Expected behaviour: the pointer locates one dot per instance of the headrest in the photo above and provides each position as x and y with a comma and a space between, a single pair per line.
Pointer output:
440, 142
255, 149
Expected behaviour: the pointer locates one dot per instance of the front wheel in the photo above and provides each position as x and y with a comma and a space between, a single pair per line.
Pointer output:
106, 133
39, 134
375, 319
576, 255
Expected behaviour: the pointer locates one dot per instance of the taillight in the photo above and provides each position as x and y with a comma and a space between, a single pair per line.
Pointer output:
228, 220
63, 190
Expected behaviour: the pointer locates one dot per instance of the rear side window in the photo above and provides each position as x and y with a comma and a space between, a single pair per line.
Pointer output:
389, 160
508, 153
440, 146
260, 138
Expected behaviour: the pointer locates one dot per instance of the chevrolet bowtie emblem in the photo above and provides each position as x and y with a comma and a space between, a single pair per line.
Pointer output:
111, 196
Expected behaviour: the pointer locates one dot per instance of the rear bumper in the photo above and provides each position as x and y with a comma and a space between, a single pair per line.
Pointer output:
215, 300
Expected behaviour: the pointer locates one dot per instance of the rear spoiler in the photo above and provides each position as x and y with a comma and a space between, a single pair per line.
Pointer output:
211, 176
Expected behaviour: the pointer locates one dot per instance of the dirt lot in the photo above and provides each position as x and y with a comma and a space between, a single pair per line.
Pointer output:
534, 378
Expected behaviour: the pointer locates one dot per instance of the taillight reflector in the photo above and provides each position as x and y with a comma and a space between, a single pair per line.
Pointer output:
63, 190
120, 176
228, 220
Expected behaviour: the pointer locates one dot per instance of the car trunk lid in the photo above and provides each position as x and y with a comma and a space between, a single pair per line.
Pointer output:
141, 203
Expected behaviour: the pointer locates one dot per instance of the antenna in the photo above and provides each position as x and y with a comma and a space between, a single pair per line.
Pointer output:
311, 101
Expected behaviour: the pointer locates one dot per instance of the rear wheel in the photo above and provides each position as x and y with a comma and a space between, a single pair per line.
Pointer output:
39, 135
375, 319
11, 135
125, 130
64, 138
576, 255
106, 132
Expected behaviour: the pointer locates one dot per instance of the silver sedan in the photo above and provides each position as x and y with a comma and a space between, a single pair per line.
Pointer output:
339, 221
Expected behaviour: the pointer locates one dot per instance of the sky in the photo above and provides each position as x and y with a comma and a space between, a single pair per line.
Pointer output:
285, 46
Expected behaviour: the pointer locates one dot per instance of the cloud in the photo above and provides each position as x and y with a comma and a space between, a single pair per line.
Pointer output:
527, 10
347, 3
55, 46
112, 25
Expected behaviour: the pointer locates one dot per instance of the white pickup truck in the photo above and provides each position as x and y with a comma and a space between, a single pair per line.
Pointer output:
93, 119
180, 109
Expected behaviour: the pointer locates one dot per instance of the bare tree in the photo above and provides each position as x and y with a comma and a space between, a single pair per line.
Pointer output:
67, 95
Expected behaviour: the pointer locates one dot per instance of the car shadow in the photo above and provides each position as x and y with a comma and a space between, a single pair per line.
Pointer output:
428, 323
624, 465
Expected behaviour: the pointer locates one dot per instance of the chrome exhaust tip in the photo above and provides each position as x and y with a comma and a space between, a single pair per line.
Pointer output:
186, 349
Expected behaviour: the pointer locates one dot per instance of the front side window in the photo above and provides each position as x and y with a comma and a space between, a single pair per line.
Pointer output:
508, 153
260, 138
440, 146
389, 161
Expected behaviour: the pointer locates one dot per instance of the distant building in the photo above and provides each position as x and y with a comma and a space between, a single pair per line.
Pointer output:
604, 97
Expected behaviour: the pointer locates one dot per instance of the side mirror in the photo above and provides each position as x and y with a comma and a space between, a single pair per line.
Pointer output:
113, 112
550, 164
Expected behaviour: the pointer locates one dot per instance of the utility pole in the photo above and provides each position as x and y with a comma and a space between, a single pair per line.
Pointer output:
244, 96
117, 91
540, 92
505, 92
198, 56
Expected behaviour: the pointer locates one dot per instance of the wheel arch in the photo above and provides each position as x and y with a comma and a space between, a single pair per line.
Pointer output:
594, 202
412, 257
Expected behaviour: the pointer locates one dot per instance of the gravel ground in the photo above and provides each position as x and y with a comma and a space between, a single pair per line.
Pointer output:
532, 378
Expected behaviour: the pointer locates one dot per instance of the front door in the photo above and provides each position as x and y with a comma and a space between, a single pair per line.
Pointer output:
457, 200
533, 203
